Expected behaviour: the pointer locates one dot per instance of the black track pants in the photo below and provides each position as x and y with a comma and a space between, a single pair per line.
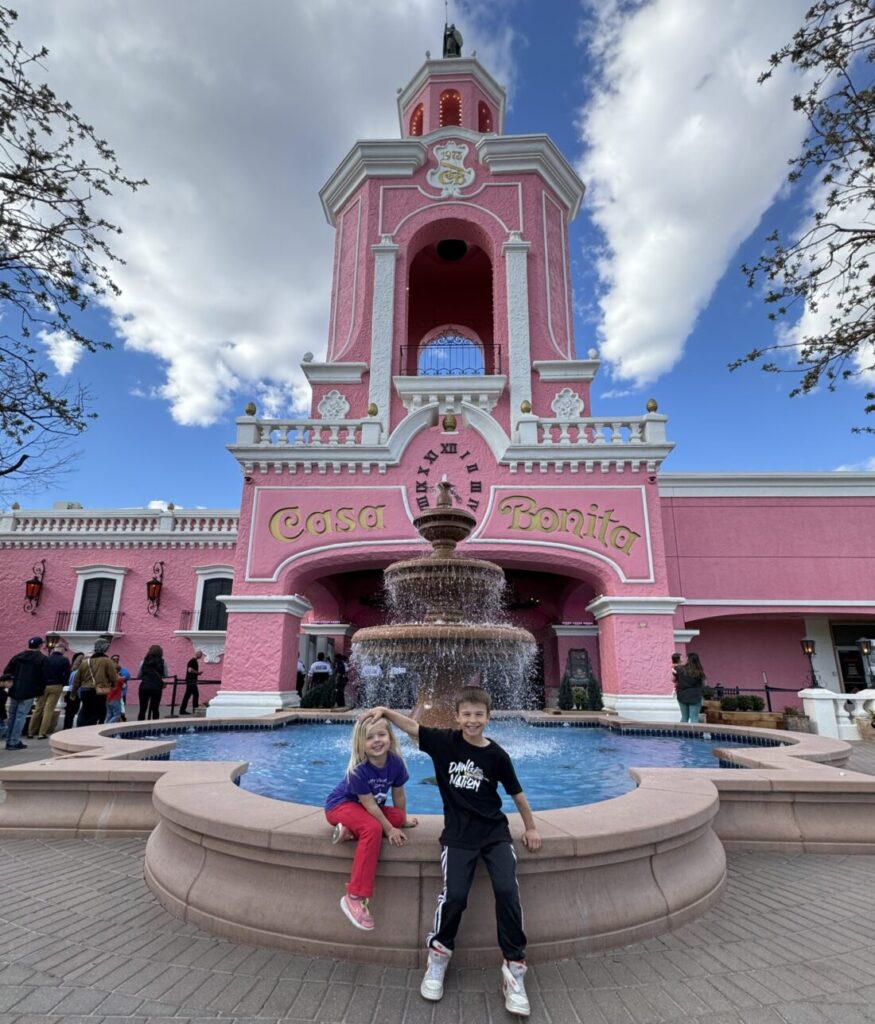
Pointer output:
458, 868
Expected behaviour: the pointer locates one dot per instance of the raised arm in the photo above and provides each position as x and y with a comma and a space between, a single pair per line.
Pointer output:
402, 722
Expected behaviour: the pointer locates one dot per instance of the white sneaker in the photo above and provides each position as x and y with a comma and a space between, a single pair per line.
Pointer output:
341, 834
432, 986
513, 988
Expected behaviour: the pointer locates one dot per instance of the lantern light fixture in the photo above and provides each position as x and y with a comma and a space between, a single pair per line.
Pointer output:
864, 646
154, 587
808, 649
34, 587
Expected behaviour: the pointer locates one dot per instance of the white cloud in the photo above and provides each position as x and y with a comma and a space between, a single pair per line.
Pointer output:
866, 466
685, 151
63, 350
237, 115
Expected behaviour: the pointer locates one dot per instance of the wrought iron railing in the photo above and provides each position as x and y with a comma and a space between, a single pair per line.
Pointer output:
95, 621
211, 617
450, 357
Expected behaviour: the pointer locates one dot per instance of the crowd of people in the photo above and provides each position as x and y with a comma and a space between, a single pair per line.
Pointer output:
94, 685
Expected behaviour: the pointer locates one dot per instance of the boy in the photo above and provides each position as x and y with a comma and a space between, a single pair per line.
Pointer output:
468, 768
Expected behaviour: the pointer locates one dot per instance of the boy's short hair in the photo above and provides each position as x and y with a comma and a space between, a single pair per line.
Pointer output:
472, 695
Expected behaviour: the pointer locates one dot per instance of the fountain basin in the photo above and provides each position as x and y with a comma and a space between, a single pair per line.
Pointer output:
264, 871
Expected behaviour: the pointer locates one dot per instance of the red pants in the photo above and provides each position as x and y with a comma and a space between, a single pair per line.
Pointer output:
369, 833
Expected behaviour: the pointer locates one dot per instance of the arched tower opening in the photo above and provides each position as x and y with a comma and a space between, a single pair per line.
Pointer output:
416, 120
450, 114
484, 118
450, 319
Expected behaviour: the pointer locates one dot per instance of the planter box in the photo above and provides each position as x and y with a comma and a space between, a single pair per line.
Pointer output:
798, 723
866, 730
756, 719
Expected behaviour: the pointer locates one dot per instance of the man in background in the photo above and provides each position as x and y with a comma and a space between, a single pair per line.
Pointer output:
25, 678
192, 672
57, 677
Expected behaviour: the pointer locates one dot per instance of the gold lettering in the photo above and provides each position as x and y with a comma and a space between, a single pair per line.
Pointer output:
283, 522
345, 520
319, 523
600, 526
518, 506
548, 520
371, 517
617, 539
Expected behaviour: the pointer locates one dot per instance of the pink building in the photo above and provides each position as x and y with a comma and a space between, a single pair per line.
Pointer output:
451, 351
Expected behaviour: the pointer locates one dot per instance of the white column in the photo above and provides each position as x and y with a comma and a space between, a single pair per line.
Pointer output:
820, 706
382, 328
519, 361
824, 654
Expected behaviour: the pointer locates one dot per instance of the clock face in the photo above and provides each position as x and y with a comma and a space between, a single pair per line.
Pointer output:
461, 469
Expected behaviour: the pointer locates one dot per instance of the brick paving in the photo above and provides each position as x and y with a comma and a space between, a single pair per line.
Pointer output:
82, 941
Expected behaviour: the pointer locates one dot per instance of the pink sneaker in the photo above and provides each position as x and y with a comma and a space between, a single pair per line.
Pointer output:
356, 909
342, 835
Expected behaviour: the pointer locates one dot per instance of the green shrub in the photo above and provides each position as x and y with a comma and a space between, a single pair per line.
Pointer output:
745, 703
729, 704
594, 695
321, 696
566, 698
757, 703
707, 693
791, 712
578, 695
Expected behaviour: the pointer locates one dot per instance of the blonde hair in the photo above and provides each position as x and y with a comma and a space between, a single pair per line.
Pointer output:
360, 735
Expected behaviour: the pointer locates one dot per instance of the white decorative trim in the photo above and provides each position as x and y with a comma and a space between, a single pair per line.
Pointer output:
449, 393
119, 528
575, 629
767, 485
327, 629
334, 373
210, 641
650, 708
567, 405
612, 605
566, 369
270, 604
516, 256
744, 602
84, 640
204, 573
333, 406
250, 703
534, 154
386, 158
685, 636
93, 572
457, 68
382, 328
450, 176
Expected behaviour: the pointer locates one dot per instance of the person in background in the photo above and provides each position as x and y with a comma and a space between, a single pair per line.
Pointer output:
72, 702
690, 687
25, 678
300, 678
96, 677
115, 699
192, 672
675, 661
57, 677
151, 675
340, 675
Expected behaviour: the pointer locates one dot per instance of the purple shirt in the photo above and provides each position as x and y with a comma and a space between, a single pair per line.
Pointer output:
367, 779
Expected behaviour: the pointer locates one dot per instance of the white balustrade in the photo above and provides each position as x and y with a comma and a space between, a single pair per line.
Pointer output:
309, 432
836, 714
587, 431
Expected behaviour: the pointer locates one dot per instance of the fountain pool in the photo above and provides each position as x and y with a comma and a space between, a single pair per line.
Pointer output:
558, 767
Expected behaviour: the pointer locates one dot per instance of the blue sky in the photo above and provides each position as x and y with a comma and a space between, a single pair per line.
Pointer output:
238, 119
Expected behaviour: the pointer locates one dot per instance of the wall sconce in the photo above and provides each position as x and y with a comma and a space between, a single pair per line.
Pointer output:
864, 646
808, 649
153, 588
51, 641
34, 586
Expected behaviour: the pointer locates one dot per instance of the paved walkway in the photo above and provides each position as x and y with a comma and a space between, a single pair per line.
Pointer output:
83, 940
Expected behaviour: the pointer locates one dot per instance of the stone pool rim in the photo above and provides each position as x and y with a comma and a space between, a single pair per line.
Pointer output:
261, 870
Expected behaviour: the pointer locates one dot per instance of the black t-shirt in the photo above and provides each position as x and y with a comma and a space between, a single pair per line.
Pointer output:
468, 778
191, 672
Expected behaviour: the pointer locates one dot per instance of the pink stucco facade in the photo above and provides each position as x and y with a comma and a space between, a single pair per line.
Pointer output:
452, 245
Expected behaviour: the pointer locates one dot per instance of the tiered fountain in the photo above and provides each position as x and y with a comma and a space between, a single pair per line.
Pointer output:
446, 628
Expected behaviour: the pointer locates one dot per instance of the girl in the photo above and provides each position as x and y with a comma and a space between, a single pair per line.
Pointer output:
689, 687
357, 808
152, 673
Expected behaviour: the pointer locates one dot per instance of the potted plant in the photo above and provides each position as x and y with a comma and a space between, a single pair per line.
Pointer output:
795, 721
866, 726
747, 709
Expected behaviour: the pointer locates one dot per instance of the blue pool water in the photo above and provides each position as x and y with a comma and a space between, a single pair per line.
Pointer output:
558, 767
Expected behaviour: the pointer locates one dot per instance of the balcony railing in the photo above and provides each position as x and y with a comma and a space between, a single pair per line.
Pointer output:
89, 622
450, 358
213, 617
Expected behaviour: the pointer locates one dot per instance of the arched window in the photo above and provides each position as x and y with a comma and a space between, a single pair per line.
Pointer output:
484, 117
214, 614
416, 120
451, 355
451, 108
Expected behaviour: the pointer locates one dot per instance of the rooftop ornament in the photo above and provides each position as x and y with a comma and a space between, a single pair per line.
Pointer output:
452, 41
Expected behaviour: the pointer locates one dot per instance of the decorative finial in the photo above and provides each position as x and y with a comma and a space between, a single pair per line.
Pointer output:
445, 493
449, 422
593, 353
373, 409
307, 357
652, 405
250, 409
15, 506
525, 406
170, 506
